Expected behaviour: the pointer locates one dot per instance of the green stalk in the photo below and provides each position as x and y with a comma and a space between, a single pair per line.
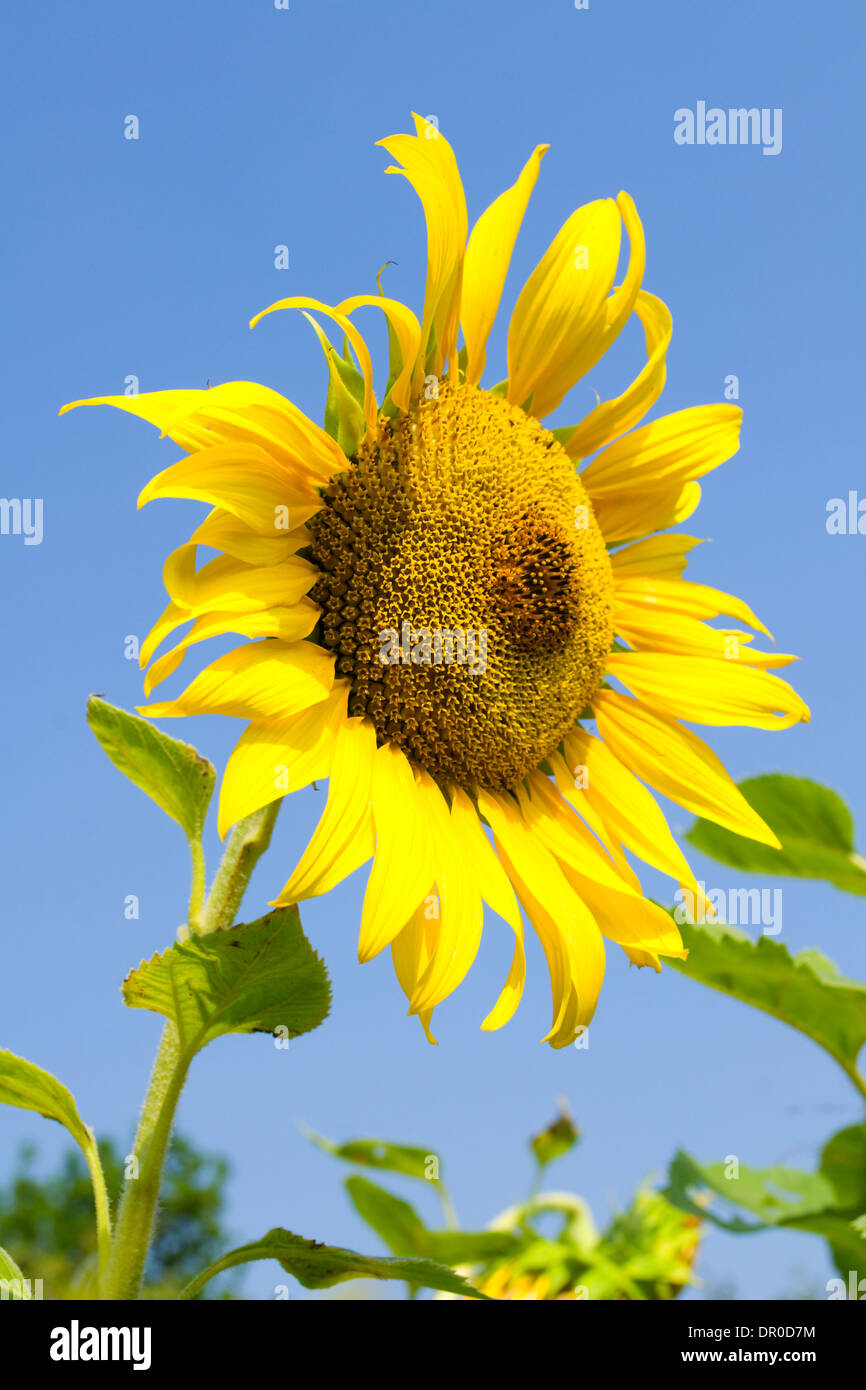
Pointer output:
101, 1204
248, 842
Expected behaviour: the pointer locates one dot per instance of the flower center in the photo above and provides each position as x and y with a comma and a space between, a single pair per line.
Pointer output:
465, 587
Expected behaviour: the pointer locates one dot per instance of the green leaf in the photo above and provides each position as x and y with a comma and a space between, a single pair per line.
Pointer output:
10, 1273
403, 1231
557, 1139
171, 773
830, 1203
28, 1087
813, 824
805, 991
409, 1159
318, 1266
258, 977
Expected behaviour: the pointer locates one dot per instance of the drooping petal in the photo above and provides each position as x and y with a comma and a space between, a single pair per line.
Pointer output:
613, 418
273, 758
488, 256
343, 839
411, 952
362, 352
404, 866
261, 680
222, 531
407, 331
677, 763
569, 936
565, 317
459, 903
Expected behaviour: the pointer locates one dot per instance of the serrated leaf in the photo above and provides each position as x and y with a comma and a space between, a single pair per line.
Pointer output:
318, 1266
409, 1159
254, 978
171, 773
28, 1087
805, 991
813, 824
403, 1231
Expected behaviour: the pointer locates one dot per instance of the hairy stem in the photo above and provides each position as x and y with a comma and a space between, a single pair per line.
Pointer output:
247, 843
134, 1230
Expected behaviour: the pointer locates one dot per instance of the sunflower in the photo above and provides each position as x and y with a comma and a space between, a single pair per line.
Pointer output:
440, 602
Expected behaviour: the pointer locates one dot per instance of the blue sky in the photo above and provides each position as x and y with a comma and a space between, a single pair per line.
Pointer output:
148, 258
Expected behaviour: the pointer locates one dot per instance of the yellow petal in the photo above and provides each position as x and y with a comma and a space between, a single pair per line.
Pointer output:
702, 690
624, 515
224, 585
563, 833
646, 630
222, 531
243, 480
404, 866
411, 952
564, 321
360, 347
343, 839
641, 924
613, 418
677, 763
459, 905
570, 939
287, 624
595, 776
260, 680
407, 330
275, 757
675, 449
488, 256
681, 596
429, 165
487, 872
661, 556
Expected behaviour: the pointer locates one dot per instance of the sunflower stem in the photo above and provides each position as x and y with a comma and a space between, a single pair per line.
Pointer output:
134, 1230
247, 843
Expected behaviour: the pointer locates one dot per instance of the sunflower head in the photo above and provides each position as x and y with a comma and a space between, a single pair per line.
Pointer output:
461, 530
443, 602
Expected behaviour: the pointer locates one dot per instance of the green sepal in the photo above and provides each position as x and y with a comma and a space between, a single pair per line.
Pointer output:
259, 977
813, 824
344, 405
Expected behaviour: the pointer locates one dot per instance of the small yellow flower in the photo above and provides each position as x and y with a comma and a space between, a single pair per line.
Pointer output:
436, 610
